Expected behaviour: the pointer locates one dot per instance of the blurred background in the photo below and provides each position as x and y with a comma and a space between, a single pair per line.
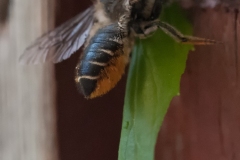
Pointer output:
43, 117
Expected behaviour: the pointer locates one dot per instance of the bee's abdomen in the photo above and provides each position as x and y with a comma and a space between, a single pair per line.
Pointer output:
101, 65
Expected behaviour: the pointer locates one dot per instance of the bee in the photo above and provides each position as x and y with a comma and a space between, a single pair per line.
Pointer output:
107, 30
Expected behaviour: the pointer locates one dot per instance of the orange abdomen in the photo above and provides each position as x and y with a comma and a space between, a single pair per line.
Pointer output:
102, 63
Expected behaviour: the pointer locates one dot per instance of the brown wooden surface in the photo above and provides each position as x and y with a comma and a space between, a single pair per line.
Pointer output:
203, 123
27, 99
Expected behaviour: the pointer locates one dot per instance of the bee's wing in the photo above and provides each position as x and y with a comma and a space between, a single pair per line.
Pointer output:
65, 39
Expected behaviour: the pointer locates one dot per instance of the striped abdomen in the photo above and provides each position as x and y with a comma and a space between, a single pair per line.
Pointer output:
102, 63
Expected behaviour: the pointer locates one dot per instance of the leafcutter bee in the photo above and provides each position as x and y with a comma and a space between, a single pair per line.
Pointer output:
107, 30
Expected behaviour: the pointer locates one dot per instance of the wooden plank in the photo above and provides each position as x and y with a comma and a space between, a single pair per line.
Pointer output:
27, 93
203, 122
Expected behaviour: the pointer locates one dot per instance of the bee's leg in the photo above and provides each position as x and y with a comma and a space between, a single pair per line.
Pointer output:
179, 37
143, 31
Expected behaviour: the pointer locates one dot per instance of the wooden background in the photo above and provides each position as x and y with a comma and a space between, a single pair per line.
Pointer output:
27, 93
201, 124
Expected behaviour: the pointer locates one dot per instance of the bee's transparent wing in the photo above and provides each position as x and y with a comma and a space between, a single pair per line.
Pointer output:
65, 40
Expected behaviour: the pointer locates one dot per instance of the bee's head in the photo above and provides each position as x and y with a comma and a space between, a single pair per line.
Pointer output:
156, 10
147, 9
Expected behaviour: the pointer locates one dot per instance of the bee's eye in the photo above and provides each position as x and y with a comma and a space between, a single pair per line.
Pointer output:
136, 16
152, 18
156, 10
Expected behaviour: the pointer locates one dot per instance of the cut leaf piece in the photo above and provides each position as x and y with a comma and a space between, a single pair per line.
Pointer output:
153, 80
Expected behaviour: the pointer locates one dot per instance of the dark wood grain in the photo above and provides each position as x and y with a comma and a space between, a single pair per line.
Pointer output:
203, 122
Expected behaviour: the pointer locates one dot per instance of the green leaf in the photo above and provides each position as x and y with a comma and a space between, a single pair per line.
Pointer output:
154, 78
